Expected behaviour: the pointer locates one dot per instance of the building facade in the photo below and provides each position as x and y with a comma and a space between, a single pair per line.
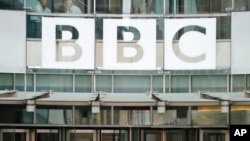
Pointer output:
124, 70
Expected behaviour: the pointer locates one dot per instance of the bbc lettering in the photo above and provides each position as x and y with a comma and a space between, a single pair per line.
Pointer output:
129, 44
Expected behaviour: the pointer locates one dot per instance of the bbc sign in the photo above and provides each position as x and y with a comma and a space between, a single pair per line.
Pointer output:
136, 47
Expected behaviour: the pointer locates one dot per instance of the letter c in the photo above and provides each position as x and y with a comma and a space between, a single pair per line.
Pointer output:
177, 50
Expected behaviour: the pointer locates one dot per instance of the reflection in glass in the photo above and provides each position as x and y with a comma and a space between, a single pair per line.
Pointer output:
54, 115
84, 116
208, 115
172, 116
132, 116
240, 114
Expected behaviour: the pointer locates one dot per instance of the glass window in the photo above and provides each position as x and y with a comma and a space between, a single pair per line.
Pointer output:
121, 115
179, 83
15, 114
29, 82
208, 115
240, 114
223, 28
132, 116
80, 135
104, 83
167, 84
241, 5
12, 4
54, 115
209, 83
19, 79
172, 116
239, 83
131, 84
47, 135
197, 6
6, 81
57, 83
248, 82
214, 137
114, 135
129, 6
174, 136
83, 83
84, 116
158, 83
74, 7
152, 135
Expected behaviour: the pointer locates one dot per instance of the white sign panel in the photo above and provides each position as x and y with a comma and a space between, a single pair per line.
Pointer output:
196, 46
240, 43
13, 41
70, 53
129, 44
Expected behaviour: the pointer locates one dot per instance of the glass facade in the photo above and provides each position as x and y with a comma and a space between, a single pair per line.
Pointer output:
123, 122
132, 83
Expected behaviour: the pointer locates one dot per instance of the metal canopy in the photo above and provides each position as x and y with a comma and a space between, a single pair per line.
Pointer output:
125, 99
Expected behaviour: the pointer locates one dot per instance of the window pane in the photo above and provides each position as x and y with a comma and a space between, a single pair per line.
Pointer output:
248, 82
59, 83
83, 83
223, 28
104, 83
158, 83
121, 116
179, 83
15, 114
241, 5
172, 116
197, 6
54, 115
19, 82
208, 115
11, 4
240, 114
6, 81
84, 116
30, 82
209, 83
129, 6
139, 116
238, 83
167, 84
131, 84
131, 116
